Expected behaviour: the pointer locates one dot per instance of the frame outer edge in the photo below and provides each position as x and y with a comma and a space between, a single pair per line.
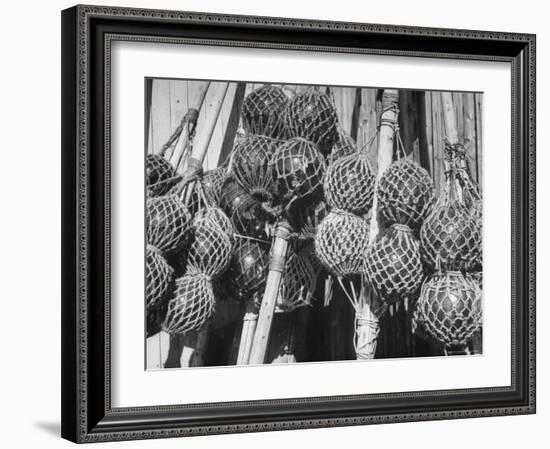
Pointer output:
69, 264
77, 429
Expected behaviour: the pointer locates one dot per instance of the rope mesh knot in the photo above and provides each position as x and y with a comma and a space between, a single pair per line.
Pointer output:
246, 213
349, 184
249, 267
263, 112
312, 115
297, 284
192, 304
158, 277
393, 264
160, 176
250, 168
477, 277
452, 237
212, 243
344, 146
212, 183
304, 219
405, 194
449, 309
297, 168
341, 242
168, 223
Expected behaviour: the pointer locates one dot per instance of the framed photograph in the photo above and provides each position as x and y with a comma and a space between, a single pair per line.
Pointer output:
284, 223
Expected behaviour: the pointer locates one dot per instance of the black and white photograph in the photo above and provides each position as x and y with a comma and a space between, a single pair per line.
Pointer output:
310, 223
287, 218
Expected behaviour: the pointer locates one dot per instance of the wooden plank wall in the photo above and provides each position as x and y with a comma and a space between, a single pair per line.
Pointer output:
422, 131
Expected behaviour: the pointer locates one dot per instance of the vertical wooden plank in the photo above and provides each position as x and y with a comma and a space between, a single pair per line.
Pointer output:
232, 123
209, 107
366, 126
179, 101
213, 154
408, 122
424, 100
469, 140
479, 138
157, 350
153, 358
160, 111
458, 101
148, 127
179, 105
344, 101
437, 141
150, 149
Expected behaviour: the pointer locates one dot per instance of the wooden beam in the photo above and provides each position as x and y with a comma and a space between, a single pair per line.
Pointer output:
276, 268
232, 123
368, 313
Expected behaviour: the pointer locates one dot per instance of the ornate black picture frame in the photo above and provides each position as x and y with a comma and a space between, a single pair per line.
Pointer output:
87, 34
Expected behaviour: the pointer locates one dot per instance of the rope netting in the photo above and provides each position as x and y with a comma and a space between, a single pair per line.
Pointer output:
192, 304
344, 146
158, 277
214, 216
304, 219
160, 175
298, 168
212, 184
212, 243
393, 264
168, 223
263, 112
298, 283
246, 213
341, 242
312, 115
307, 250
449, 309
349, 183
476, 276
250, 165
452, 235
249, 267
405, 194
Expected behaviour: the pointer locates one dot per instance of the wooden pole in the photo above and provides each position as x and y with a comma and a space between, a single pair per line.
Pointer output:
219, 90
276, 268
451, 127
192, 350
368, 313
200, 146
177, 157
385, 147
250, 322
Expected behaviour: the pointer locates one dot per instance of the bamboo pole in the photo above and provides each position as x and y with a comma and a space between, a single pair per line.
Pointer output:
202, 143
276, 267
370, 307
188, 125
250, 321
